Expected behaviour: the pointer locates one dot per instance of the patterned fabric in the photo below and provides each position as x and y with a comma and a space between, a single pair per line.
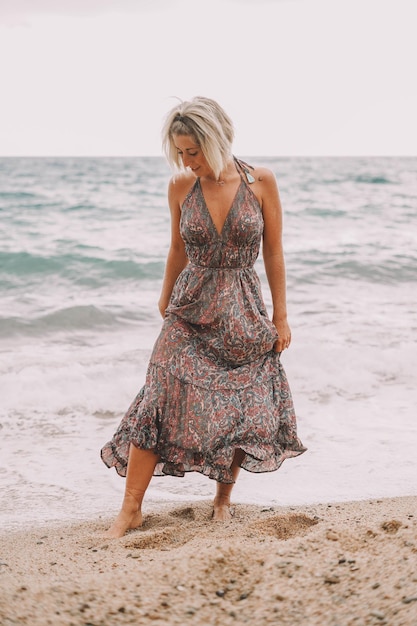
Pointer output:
214, 382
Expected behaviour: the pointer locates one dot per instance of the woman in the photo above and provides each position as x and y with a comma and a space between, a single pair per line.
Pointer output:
216, 397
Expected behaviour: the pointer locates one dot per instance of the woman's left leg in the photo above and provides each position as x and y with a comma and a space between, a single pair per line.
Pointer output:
221, 504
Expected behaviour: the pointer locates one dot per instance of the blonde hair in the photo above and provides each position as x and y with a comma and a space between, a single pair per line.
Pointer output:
208, 124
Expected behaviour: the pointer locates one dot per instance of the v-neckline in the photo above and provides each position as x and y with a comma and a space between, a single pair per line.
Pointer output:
220, 233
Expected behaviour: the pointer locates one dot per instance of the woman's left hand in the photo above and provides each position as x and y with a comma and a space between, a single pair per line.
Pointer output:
284, 335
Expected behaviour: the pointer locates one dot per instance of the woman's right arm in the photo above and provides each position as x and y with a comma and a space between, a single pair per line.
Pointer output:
177, 258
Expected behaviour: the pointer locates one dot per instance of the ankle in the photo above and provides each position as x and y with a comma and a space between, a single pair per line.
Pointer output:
222, 500
132, 500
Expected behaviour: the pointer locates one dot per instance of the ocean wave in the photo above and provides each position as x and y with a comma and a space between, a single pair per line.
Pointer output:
80, 207
73, 318
390, 272
90, 270
325, 212
17, 195
398, 269
373, 180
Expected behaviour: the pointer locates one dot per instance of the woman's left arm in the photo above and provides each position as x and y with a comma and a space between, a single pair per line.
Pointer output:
273, 255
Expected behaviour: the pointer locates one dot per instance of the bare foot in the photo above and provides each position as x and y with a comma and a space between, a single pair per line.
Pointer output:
222, 511
130, 517
123, 522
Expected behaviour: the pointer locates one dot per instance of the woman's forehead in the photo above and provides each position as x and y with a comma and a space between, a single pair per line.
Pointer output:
184, 142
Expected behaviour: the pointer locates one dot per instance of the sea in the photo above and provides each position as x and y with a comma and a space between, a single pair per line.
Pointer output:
83, 243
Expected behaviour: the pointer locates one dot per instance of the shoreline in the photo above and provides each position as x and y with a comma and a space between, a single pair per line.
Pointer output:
350, 563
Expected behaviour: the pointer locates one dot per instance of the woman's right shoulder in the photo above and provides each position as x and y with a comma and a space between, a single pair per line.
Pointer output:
180, 186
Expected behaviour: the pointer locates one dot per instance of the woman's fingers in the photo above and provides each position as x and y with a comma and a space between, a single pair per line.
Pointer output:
282, 344
284, 334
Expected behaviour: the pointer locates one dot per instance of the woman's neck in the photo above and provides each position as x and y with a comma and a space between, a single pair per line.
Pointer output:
228, 174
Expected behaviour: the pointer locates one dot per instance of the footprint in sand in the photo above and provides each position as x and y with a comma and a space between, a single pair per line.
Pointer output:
392, 526
167, 538
162, 531
285, 526
185, 513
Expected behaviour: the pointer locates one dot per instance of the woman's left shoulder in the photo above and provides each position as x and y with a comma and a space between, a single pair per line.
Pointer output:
264, 175
265, 187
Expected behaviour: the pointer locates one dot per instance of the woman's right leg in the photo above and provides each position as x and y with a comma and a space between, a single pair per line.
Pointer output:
140, 469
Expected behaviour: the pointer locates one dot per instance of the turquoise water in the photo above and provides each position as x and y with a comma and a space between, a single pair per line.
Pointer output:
82, 250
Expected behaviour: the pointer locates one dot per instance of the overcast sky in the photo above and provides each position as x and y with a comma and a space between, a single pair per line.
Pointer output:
298, 77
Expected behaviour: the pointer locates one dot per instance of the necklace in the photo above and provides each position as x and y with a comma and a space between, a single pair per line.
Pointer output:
217, 181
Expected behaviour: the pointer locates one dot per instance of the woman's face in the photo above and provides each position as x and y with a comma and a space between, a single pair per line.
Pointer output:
191, 155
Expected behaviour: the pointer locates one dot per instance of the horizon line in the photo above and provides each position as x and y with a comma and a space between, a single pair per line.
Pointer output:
161, 156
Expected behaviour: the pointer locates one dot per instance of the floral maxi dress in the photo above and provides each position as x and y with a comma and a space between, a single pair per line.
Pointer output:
214, 382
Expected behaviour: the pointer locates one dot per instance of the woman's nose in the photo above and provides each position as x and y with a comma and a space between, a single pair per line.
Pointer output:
186, 160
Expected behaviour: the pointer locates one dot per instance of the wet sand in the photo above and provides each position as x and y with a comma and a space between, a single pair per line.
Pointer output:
353, 563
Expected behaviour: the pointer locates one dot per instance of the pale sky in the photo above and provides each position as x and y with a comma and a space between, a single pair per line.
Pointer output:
298, 77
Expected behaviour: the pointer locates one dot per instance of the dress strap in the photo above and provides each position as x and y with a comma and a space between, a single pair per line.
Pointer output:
243, 169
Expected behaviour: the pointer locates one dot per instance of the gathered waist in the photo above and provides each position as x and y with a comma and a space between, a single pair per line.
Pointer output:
221, 267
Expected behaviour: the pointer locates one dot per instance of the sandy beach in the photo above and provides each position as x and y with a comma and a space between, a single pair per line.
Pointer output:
353, 563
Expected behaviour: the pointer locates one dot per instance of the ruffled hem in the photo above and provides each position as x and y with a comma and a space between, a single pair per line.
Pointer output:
112, 458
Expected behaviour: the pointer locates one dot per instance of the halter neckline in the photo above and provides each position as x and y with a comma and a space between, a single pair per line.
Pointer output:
243, 169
